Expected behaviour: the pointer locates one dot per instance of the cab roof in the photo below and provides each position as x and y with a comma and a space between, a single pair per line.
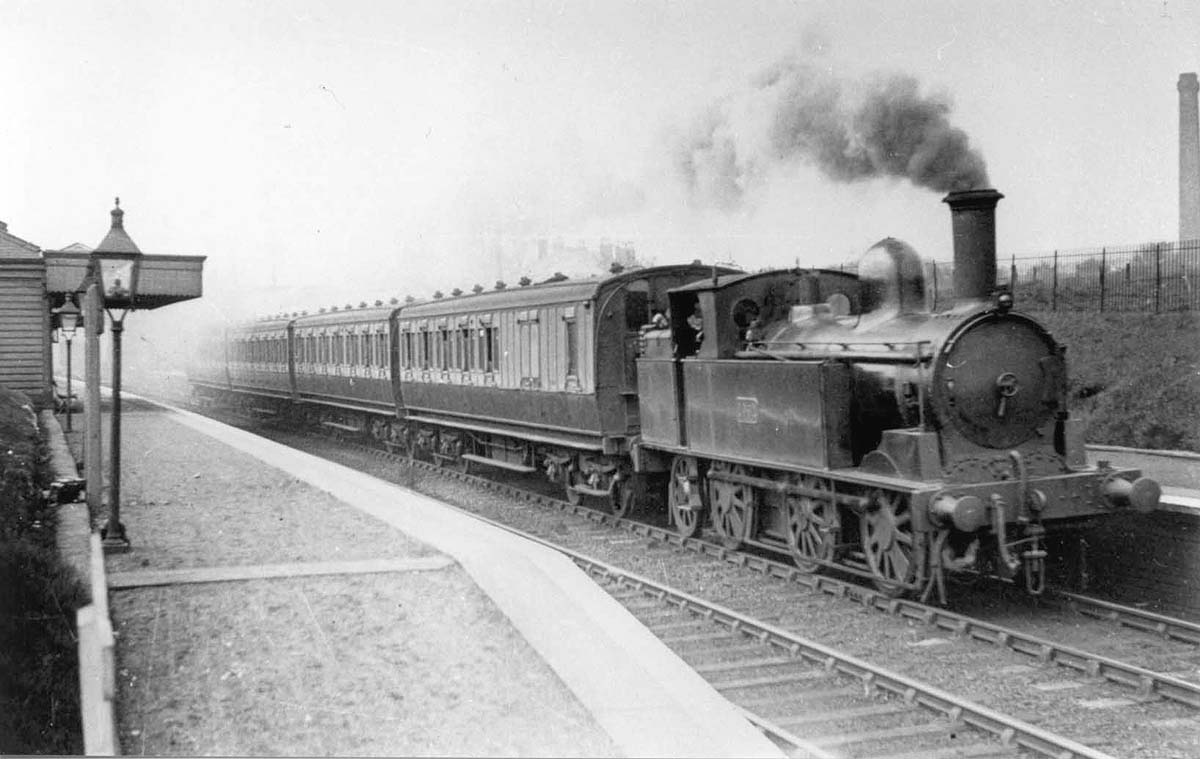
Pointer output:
728, 280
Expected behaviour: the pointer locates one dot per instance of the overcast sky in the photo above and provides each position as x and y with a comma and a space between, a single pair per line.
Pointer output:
368, 147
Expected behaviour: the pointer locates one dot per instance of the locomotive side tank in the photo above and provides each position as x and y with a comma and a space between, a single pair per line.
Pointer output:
858, 421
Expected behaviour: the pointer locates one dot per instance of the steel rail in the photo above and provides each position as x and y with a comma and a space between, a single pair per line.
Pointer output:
1129, 616
1145, 682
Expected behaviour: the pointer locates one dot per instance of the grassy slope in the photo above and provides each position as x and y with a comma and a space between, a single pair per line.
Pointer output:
1135, 378
39, 691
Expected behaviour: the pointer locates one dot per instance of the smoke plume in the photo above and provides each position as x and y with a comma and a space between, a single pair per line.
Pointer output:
797, 112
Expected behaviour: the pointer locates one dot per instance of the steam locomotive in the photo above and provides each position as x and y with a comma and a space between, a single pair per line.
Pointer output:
862, 421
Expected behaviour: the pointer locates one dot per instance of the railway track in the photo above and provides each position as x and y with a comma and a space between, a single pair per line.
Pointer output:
779, 711
1142, 681
783, 682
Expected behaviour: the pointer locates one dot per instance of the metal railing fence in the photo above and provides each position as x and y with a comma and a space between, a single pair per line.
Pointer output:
1152, 277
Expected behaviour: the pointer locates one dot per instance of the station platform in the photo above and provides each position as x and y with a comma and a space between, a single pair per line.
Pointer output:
274, 603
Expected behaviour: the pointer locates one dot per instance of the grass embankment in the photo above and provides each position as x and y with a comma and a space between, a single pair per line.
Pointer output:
39, 686
1135, 378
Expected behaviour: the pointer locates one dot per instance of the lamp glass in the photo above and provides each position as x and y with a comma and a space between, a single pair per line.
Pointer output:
116, 278
68, 320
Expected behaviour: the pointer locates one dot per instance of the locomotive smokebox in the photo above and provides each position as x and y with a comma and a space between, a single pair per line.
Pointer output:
973, 219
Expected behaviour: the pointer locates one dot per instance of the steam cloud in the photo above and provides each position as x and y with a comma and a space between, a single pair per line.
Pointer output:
797, 112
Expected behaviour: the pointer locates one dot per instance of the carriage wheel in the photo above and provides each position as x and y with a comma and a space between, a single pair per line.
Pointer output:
888, 543
813, 526
732, 506
687, 516
379, 429
574, 497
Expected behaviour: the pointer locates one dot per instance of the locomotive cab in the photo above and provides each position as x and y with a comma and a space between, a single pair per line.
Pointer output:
716, 370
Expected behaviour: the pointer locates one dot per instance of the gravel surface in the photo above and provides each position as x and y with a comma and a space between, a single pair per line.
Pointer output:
1103, 715
417, 663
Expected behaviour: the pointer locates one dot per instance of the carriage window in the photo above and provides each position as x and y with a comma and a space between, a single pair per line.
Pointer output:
489, 348
529, 345
572, 348
444, 348
464, 349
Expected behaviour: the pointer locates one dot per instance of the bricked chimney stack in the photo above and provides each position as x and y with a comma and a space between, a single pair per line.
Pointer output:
1189, 158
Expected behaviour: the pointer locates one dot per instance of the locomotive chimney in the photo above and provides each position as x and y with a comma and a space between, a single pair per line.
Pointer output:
973, 219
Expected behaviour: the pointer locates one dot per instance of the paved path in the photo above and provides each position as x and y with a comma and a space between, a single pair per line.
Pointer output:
275, 602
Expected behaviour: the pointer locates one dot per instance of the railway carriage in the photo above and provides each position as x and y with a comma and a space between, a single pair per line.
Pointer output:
208, 369
342, 363
259, 365
534, 378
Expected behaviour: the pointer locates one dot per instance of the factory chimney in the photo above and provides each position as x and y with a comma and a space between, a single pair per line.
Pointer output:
973, 224
1189, 158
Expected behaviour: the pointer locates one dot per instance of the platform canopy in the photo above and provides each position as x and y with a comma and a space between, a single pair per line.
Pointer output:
160, 279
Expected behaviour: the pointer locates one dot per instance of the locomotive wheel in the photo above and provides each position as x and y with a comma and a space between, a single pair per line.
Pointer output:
684, 478
813, 527
888, 544
624, 498
732, 506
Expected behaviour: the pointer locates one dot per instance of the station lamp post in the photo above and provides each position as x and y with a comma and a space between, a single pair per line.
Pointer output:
115, 265
69, 318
